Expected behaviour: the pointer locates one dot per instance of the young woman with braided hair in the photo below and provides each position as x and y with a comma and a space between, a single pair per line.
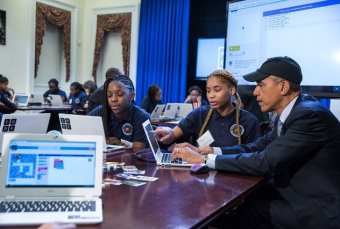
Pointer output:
122, 119
226, 123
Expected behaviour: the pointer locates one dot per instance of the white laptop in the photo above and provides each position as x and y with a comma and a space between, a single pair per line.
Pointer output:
37, 98
34, 123
162, 158
157, 112
170, 111
184, 109
85, 125
21, 99
55, 100
49, 178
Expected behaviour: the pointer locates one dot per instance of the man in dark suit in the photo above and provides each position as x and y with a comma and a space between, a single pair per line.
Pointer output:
301, 158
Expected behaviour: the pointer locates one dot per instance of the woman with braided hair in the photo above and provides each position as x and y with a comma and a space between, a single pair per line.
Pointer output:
221, 122
122, 119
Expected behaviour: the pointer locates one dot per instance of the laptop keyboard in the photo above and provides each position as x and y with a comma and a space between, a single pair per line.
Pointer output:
47, 206
166, 158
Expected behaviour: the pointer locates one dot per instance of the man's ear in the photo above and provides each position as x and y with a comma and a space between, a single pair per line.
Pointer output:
285, 87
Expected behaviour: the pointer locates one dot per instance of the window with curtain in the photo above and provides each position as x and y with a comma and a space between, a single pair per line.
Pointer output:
60, 18
113, 23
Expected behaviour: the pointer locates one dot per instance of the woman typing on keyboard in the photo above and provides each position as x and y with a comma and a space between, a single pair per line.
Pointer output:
220, 123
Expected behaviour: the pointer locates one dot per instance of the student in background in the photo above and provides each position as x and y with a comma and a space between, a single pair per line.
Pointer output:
299, 157
195, 97
6, 106
224, 123
153, 98
77, 97
89, 87
53, 84
122, 119
9, 92
96, 98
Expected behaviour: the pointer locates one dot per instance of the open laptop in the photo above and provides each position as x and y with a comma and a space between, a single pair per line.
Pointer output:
162, 158
49, 178
184, 109
85, 125
56, 100
170, 112
37, 99
21, 99
34, 123
157, 112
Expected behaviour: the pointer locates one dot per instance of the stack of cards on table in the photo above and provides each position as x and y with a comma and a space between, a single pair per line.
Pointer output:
111, 165
131, 169
129, 180
138, 177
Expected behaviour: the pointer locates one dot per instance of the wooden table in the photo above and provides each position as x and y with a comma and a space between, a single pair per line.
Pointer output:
176, 200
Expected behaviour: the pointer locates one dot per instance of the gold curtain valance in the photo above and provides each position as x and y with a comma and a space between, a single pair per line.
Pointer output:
46, 14
113, 23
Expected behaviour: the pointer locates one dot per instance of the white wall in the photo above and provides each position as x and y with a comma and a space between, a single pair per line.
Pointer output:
17, 56
14, 56
111, 50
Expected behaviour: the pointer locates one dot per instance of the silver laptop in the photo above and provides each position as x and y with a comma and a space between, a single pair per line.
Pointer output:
184, 109
37, 98
170, 111
49, 178
162, 158
21, 99
85, 125
157, 112
34, 123
55, 100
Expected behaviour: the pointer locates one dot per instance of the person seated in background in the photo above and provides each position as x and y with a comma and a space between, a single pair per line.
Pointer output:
300, 157
153, 98
6, 106
221, 122
195, 97
77, 97
9, 92
96, 98
122, 119
249, 103
89, 87
53, 84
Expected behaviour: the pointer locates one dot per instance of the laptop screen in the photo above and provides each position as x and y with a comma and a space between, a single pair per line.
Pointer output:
152, 139
46, 163
21, 99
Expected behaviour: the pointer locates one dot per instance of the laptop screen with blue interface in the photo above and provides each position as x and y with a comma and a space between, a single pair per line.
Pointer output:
43, 163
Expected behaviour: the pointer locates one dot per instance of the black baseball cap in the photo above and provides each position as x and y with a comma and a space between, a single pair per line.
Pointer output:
283, 67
